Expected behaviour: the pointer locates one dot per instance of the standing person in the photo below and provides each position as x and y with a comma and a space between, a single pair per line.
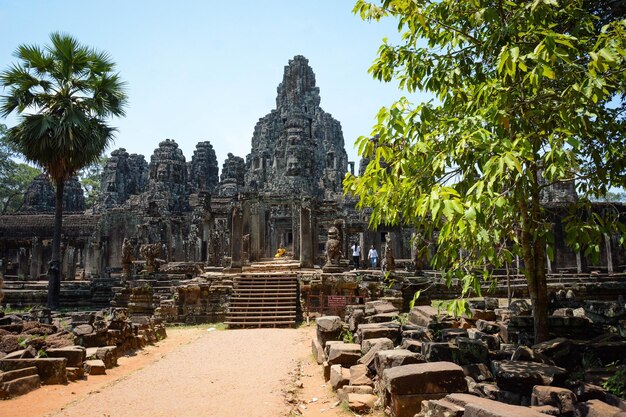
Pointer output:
373, 257
356, 255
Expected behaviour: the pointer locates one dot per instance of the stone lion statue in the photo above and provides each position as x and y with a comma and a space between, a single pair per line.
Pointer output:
333, 247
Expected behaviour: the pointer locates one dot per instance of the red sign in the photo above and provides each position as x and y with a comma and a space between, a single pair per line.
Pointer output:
337, 301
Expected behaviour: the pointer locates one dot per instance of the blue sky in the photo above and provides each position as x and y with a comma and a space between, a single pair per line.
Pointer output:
208, 70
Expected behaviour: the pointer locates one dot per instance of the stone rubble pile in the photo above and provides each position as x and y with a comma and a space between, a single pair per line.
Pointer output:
483, 364
43, 349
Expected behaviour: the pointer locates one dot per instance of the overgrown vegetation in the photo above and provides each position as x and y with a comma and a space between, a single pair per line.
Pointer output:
529, 95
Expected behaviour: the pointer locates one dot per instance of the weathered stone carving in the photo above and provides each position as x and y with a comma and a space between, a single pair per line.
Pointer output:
333, 251
203, 169
73, 196
39, 196
150, 252
127, 257
232, 177
297, 148
124, 175
389, 263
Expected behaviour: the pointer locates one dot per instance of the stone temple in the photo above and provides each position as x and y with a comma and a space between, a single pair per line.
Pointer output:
187, 215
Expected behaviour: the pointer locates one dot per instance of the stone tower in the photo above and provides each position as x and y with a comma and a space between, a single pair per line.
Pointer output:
203, 169
124, 175
232, 178
39, 196
297, 149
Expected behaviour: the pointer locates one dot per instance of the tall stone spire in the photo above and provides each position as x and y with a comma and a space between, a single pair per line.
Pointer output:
297, 149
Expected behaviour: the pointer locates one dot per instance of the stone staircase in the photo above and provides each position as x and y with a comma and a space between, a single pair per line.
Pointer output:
263, 300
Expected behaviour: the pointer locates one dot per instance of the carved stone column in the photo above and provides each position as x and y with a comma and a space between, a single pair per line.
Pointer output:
236, 239
36, 259
306, 235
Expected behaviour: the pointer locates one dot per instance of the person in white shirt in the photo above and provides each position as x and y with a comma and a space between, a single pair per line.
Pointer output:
356, 255
373, 257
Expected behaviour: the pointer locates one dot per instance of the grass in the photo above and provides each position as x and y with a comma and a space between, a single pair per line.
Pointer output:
217, 326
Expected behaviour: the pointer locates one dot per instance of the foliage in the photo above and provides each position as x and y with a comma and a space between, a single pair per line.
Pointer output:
616, 384
525, 99
63, 94
90, 179
347, 336
15, 177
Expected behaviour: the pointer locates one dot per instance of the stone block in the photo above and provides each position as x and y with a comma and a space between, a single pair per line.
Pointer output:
492, 340
563, 399
519, 376
75, 355
472, 351
328, 328
409, 405
108, 355
75, 373
318, 351
326, 371
386, 359
440, 352
385, 308
424, 378
417, 333
479, 372
441, 408
94, 367
361, 403
344, 354
450, 335
339, 376
382, 318
358, 375
479, 314
412, 345
597, 408
13, 387
51, 370
369, 359
425, 315
483, 407
367, 344
391, 331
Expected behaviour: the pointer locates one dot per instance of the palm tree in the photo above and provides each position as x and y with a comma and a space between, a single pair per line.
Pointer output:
63, 94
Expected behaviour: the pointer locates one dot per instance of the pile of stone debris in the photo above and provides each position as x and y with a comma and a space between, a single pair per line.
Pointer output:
483, 364
39, 348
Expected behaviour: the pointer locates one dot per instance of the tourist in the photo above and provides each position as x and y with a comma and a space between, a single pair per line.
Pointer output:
356, 254
373, 257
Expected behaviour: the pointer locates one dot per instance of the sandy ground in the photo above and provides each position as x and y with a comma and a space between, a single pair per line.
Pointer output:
196, 372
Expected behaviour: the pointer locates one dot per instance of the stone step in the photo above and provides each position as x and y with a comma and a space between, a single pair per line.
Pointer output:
262, 307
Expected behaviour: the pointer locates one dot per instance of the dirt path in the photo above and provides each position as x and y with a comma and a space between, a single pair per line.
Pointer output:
195, 372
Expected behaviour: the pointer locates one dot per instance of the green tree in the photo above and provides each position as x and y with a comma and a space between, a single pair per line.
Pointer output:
64, 93
90, 179
528, 95
15, 177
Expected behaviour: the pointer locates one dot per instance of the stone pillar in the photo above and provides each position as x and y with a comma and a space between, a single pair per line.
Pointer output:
306, 235
579, 262
548, 261
609, 253
22, 264
69, 264
236, 238
295, 229
36, 259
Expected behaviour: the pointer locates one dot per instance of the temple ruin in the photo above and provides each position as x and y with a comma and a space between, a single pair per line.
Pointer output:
187, 230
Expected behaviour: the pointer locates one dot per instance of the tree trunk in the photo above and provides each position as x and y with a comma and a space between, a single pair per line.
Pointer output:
534, 255
538, 290
54, 269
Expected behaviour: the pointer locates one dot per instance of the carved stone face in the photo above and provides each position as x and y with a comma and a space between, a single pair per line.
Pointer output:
293, 166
